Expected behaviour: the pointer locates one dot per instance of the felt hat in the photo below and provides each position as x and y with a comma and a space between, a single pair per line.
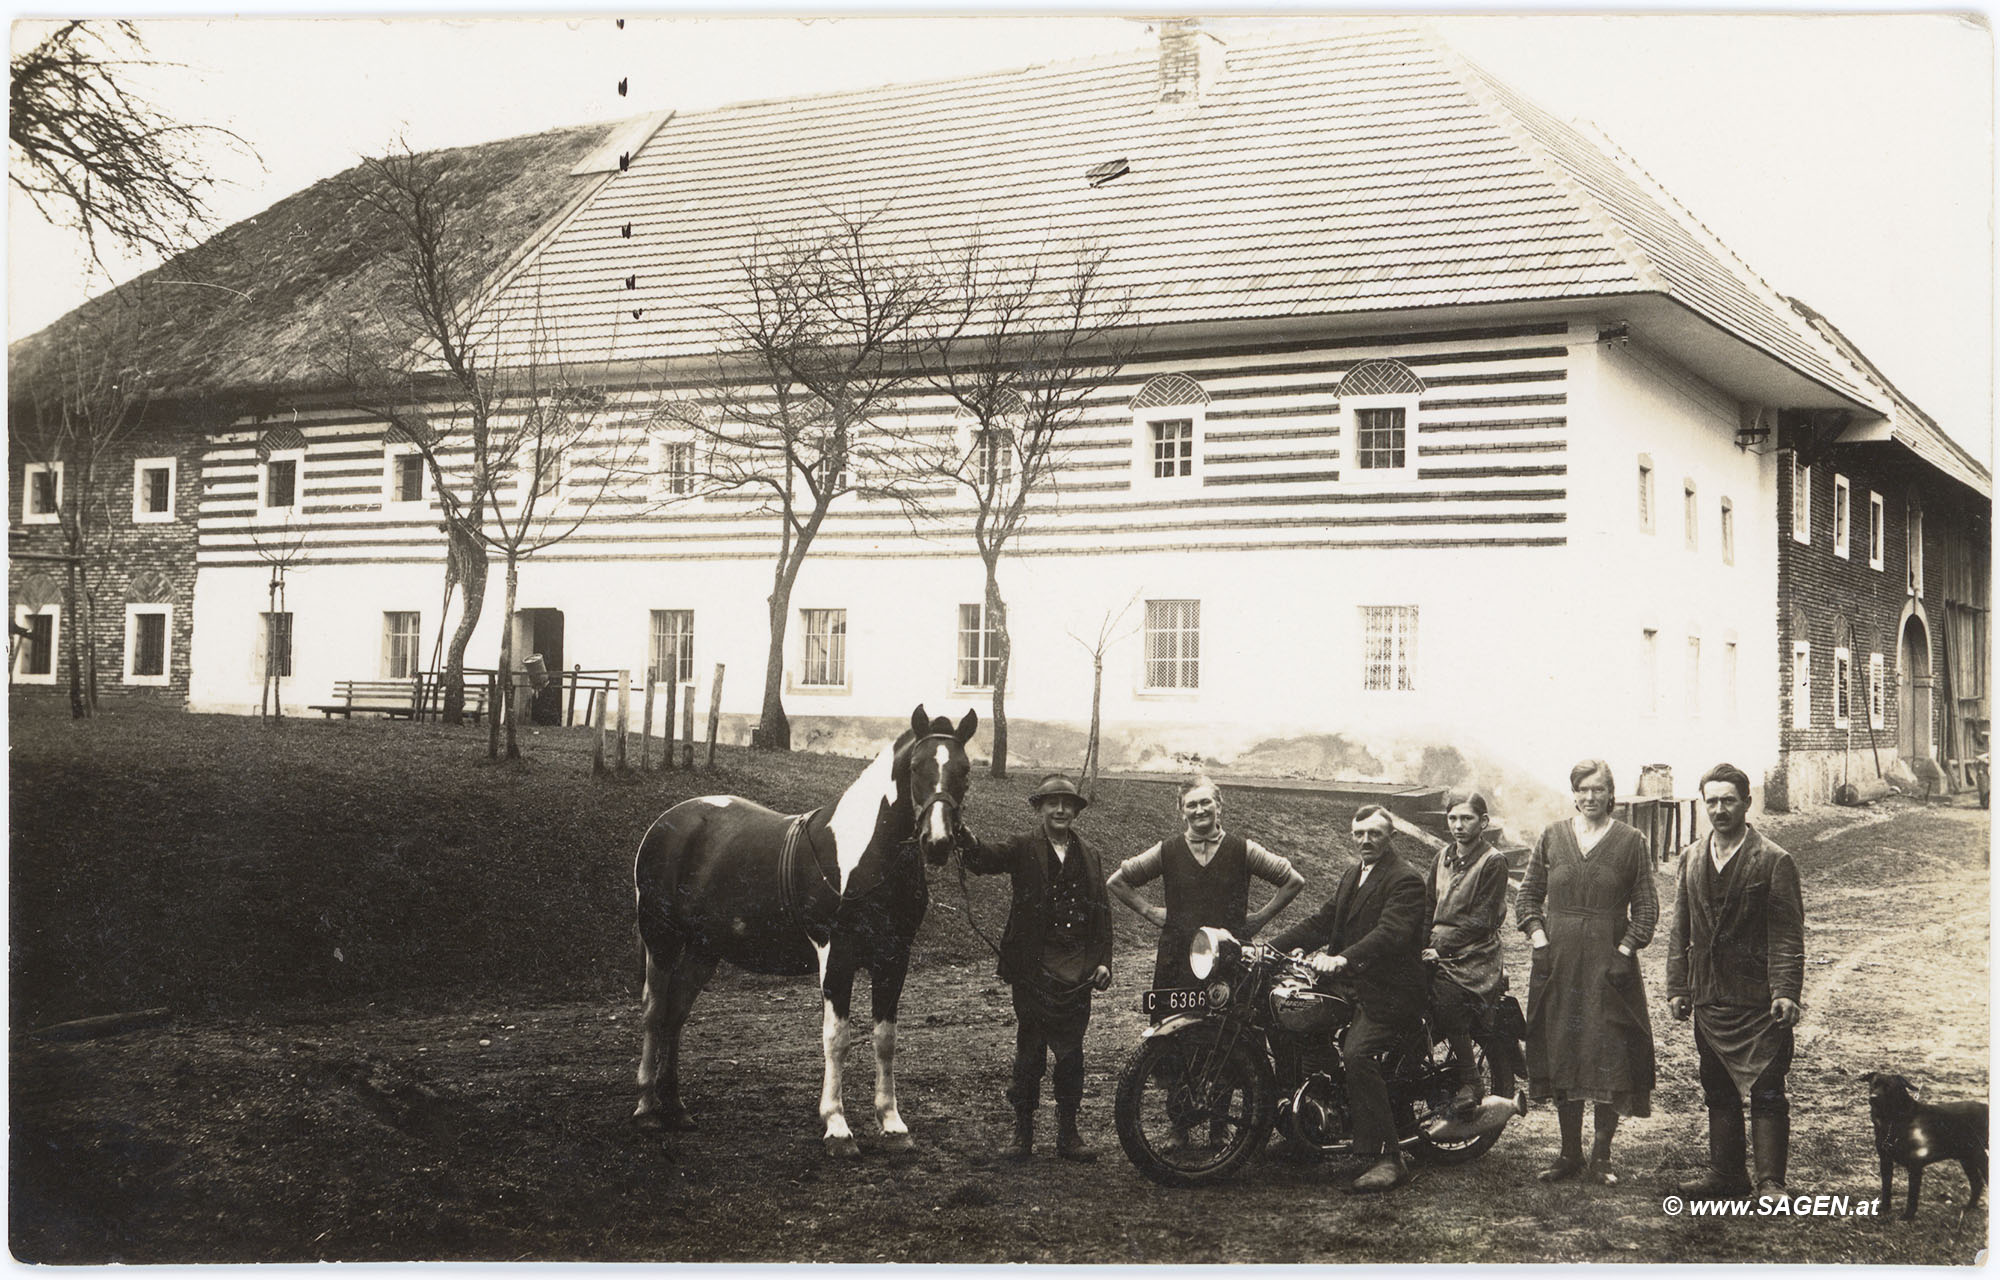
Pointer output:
1057, 784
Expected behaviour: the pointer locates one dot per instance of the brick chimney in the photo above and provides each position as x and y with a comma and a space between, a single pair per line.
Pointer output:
1190, 61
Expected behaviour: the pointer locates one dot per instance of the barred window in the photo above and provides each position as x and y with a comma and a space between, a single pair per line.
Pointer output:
402, 645
1843, 680
1389, 648
1378, 439
36, 655
1173, 644
281, 483
1801, 501
153, 489
1842, 516
1173, 448
993, 458
676, 467
409, 478
978, 648
671, 647
1877, 694
825, 647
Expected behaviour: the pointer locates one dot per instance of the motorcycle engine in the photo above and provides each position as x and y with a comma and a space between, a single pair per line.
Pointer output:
1317, 1114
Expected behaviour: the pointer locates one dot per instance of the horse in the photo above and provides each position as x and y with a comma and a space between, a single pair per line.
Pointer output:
721, 878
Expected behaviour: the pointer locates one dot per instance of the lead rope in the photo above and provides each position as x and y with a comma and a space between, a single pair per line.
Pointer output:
965, 890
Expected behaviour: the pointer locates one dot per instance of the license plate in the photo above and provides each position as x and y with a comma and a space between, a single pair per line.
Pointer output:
1173, 1000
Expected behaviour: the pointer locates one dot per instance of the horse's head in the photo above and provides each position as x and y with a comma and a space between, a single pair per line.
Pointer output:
938, 773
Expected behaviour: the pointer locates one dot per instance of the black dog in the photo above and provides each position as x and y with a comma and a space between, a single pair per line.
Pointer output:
1914, 1134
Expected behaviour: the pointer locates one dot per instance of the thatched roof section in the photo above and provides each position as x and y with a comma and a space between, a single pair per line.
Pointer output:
265, 305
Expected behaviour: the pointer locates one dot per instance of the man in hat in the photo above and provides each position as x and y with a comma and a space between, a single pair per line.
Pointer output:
1055, 952
1206, 872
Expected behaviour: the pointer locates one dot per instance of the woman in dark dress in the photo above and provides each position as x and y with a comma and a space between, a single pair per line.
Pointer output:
1588, 905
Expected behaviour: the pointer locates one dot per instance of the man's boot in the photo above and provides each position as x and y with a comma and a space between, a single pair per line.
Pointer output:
1024, 1134
1069, 1142
1725, 1179
1772, 1146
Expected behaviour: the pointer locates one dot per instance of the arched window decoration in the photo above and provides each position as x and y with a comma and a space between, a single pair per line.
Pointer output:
1381, 378
280, 440
1170, 389
1843, 632
149, 586
1801, 623
38, 591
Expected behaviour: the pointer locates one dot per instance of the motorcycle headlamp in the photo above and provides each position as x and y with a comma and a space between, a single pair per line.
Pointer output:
1212, 949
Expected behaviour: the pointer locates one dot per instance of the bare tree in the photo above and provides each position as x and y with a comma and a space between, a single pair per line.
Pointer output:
513, 444
73, 411
1108, 634
92, 153
804, 407
1020, 346
282, 547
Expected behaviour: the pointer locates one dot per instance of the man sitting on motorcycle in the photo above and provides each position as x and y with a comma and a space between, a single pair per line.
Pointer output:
1371, 934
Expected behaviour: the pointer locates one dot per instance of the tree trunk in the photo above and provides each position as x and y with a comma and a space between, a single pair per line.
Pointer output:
774, 728
1090, 751
79, 709
996, 616
507, 651
469, 558
88, 618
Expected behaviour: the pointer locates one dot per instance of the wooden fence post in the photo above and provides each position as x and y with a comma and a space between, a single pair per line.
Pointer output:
667, 730
624, 716
597, 755
646, 730
687, 731
569, 713
714, 714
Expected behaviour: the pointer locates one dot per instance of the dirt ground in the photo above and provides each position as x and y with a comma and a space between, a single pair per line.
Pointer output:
499, 1132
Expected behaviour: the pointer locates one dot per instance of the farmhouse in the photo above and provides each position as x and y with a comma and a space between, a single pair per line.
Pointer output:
1435, 442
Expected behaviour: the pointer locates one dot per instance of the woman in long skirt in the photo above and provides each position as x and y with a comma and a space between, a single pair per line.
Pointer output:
1588, 905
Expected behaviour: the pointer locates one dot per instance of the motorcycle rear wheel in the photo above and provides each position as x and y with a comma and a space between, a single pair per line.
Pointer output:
1191, 1112
1464, 1150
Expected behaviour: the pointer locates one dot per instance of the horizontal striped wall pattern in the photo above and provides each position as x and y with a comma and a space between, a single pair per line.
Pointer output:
1489, 469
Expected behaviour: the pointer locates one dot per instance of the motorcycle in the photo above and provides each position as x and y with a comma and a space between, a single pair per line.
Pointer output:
1257, 1050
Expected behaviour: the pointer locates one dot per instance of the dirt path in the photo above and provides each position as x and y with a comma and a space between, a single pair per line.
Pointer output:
500, 1133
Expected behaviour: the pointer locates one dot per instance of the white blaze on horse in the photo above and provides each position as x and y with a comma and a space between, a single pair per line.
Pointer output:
720, 878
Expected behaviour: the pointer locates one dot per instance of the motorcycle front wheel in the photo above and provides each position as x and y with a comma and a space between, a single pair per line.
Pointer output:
1192, 1110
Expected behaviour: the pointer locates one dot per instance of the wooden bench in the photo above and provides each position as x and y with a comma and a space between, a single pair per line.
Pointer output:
430, 702
383, 697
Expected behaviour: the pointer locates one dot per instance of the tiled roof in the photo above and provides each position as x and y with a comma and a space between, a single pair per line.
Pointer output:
1360, 172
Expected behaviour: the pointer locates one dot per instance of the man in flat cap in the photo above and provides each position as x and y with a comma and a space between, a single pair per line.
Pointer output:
1055, 953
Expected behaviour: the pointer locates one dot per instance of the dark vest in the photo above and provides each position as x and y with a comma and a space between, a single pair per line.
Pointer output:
1217, 894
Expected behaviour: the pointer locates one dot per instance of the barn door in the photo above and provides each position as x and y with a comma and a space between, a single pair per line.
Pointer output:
1913, 693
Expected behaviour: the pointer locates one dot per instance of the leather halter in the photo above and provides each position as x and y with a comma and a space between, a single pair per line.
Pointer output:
941, 796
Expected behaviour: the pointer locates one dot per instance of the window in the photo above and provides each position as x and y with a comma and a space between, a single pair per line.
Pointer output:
1801, 501
1379, 400
673, 468
1875, 531
274, 645
992, 457
1645, 493
1380, 442
831, 472
1729, 678
1649, 672
978, 648
147, 628
42, 491
1173, 448
35, 652
1694, 676
278, 482
403, 478
1690, 515
1389, 648
1173, 644
1842, 516
1913, 554
825, 664
1801, 684
1843, 680
670, 649
1728, 532
1877, 694
402, 645
153, 489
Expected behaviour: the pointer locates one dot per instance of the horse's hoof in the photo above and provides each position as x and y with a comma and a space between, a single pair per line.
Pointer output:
898, 1142
662, 1121
843, 1148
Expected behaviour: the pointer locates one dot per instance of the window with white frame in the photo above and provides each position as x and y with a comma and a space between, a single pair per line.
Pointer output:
978, 648
1842, 515
404, 483
832, 472
153, 482
1378, 405
1801, 501
1690, 515
1649, 672
1645, 493
823, 656
1173, 644
1728, 531
1843, 683
1173, 447
991, 458
274, 645
41, 492
670, 647
402, 644
1876, 532
1388, 648
35, 652
148, 642
1694, 675
673, 467
1801, 684
1877, 692
1729, 678
1381, 439
278, 483
1167, 424
1913, 554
